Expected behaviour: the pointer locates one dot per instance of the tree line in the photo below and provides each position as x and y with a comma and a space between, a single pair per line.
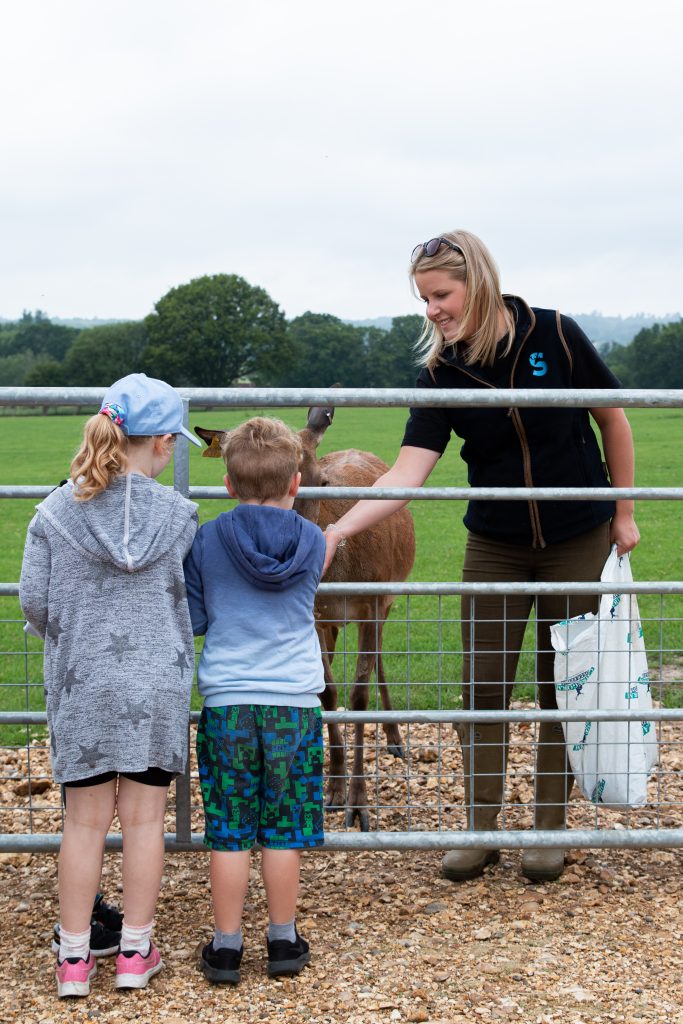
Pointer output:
654, 359
216, 331
219, 331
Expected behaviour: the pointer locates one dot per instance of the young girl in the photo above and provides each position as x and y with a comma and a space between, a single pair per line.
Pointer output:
102, 582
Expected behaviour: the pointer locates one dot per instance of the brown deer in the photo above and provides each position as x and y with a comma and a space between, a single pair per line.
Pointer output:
385, 553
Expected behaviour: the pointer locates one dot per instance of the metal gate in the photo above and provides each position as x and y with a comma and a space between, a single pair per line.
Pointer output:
415, 801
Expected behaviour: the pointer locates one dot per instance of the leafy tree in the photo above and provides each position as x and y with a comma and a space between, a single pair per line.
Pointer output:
325, 351
100, 355
215, 331
654, 359
45, 373
14, 368
35, 332
391, 357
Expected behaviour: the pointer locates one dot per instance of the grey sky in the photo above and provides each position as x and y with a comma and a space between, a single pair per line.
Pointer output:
308, 146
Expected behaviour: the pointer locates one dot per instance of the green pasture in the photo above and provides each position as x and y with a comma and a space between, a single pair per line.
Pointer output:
422, 638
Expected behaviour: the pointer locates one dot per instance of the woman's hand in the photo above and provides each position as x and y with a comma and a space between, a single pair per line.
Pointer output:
623, 531
332, 539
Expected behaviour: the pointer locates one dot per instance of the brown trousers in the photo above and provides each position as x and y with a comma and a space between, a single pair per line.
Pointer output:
493, 625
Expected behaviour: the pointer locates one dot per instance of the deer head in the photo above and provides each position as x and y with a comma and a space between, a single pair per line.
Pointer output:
312, 475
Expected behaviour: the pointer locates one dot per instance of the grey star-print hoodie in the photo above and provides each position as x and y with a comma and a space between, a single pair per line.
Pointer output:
102, 581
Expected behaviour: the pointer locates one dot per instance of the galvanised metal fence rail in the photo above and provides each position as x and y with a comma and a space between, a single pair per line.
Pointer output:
415, 802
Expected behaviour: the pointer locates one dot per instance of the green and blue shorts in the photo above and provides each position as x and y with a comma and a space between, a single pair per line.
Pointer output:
260, 772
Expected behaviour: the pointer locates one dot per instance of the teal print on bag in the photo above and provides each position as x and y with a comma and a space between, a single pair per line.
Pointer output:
540, 367
568, 622
580, 746
646, 727
632, 693
640, 634
616, 601
599, 789
645, 678
576, 682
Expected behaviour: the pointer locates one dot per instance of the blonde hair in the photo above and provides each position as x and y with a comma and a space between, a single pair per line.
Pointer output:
101, 457
261, 457
476, 268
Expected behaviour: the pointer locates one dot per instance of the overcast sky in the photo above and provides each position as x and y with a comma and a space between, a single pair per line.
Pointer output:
308, 146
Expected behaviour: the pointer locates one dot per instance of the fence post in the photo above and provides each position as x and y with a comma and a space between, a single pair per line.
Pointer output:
181, 482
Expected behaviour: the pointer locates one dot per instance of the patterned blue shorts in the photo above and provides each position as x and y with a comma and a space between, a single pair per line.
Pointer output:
260, 772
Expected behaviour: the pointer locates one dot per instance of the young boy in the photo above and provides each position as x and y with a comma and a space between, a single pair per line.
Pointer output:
251, 580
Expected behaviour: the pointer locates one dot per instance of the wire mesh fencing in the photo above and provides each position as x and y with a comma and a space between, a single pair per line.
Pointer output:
397, 770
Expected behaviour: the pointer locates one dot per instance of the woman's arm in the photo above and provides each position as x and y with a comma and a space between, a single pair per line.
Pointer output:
617, 443
411, 469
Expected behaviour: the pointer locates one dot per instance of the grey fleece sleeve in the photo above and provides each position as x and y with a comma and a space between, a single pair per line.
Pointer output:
195, 587
34, 581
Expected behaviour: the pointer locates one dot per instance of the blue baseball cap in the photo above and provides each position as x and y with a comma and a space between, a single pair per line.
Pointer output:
145, 407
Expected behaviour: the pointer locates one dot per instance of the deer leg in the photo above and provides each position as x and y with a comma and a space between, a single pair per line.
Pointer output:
391, 729
358, 794
336, 782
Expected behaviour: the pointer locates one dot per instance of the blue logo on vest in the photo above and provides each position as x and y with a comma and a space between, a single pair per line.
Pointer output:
540, 366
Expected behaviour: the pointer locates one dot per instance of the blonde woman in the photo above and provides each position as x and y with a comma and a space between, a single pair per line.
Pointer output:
476, 337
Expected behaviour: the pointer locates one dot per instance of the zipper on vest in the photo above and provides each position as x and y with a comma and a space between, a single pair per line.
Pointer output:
534, 513
534, 517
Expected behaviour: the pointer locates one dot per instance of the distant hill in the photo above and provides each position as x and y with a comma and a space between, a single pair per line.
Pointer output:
620, 329
600, 329
383, 322
80, 323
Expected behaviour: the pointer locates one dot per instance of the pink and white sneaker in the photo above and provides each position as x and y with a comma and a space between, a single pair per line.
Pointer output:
133, 970
73, 975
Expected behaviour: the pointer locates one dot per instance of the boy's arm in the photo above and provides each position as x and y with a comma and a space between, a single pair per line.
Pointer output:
195, 587
35, 578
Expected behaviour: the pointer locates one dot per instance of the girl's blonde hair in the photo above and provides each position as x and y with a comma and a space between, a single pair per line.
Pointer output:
101, 457
476, 268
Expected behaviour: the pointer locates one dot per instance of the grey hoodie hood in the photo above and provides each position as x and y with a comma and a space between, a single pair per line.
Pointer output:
131, 524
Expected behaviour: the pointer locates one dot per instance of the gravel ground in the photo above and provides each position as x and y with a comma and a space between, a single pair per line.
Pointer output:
391, 941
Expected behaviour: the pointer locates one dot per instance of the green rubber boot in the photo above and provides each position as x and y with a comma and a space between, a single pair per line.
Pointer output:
554, 781
484, 755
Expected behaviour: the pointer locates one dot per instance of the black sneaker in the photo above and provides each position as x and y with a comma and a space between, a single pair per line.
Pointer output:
221, 965
108, 915
103, 941
286, 957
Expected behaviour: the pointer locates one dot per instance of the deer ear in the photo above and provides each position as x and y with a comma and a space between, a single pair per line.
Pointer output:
213, 439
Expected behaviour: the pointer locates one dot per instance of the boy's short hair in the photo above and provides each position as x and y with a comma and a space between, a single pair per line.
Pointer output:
261, 457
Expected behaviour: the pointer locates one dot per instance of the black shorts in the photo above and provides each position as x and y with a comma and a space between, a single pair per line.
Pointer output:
150, 777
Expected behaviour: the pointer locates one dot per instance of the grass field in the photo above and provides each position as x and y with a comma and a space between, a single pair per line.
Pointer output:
422, 638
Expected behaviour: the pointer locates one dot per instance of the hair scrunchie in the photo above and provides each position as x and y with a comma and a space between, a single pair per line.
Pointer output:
115, 413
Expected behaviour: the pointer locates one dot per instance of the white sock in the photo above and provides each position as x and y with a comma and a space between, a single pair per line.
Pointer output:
136, 939
74, 944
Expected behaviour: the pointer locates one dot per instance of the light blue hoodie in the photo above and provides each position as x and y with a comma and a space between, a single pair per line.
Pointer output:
251, 579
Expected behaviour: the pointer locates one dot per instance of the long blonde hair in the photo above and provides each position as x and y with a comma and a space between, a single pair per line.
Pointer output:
476, 268
101, 457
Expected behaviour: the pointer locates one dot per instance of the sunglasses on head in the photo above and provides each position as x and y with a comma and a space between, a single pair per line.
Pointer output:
431, 248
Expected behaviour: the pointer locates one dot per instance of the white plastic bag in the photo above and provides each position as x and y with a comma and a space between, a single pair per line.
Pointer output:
600, 662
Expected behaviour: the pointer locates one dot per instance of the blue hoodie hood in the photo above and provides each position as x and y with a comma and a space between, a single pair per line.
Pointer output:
251, 580
271, 547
